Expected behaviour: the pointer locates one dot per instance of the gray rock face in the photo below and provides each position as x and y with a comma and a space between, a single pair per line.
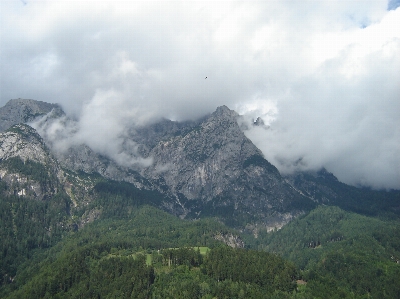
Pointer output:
230, 240
316, 185
23, 141
202, 163
23, 111
215, 169
150, 136
83, 158
26, 165
206, 167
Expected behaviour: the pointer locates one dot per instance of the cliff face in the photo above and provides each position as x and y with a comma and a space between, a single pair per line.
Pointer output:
206, 167
23, 111
213, 168
22, 141
33, 179
26, 165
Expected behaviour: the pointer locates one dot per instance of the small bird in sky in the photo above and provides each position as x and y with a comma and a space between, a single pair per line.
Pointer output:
205, 78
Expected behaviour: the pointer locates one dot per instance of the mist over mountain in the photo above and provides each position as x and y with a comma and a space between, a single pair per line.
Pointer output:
146, 138
207, 167
323, 75
72, 211
107, 122
23, 111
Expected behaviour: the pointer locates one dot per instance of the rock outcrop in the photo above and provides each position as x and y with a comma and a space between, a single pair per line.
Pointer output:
206, 168
214, 169
27, 167
22, 111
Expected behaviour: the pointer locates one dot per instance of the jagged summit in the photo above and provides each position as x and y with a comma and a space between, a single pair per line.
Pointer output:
23, 111
213, 168
24, 142
206, 167
225, 111
27, 168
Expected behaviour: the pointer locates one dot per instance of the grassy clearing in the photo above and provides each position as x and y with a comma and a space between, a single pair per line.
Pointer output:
203, 250
149, 258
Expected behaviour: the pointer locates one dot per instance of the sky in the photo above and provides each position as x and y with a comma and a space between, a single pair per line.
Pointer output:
323, 75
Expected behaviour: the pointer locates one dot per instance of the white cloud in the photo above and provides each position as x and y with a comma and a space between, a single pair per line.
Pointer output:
343, 117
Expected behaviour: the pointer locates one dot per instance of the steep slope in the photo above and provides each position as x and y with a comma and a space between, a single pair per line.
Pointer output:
214, 169
206, 168
341, 252
26, 166
82, 158
23, 111
34, 209
324, 188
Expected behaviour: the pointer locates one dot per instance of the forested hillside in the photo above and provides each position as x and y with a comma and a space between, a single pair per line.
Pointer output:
217, 222
119, 244
340, 252
329, 253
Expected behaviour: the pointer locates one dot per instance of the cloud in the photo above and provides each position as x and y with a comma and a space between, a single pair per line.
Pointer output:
322, 73
103, 125
343, 117
393, 4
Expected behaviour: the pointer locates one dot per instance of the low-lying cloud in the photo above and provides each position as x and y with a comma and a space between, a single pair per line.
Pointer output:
351, 127
322, 74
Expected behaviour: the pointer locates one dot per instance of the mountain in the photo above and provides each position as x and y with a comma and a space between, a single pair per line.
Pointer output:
205, 168
324, 188
202, 168
34, 208
212, 168
27, 167
23, 111
75, 221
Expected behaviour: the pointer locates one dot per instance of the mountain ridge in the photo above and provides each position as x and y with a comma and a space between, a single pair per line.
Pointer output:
69, 213
204, 168
22, 111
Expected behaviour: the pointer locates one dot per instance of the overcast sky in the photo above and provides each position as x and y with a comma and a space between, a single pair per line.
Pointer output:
325, 75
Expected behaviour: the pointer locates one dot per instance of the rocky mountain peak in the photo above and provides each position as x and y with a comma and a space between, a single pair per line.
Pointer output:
23, 111
214, 168
26, 165
224, 111
25, 130
22, 141
206, 167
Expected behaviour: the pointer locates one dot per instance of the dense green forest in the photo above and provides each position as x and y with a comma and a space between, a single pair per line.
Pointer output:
135, 250
340, 252
332, 253
109, 258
